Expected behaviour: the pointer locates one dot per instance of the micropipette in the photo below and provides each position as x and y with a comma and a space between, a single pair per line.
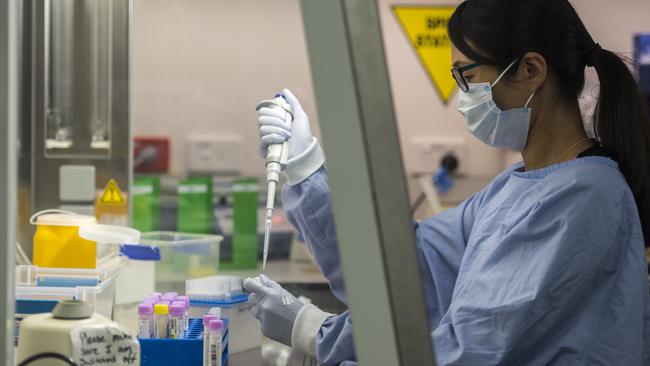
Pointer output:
276, 161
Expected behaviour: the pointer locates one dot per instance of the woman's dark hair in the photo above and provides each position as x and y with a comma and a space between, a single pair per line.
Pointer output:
496, 32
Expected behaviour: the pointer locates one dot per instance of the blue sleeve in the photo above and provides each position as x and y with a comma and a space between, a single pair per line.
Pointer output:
334, 343
443, 237
308, 206
441, 241
525, 286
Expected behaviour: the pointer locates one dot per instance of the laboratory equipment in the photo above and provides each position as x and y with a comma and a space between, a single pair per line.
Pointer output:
183, 256
186, 301
39, 289
145, 320
185, 351
145, 203
245, 214
55, 332
206, 340
226, 293
214, 288
195, 208
176, 313
161, 319
215, 328
276, 161
57, 242
75, 134
169, 296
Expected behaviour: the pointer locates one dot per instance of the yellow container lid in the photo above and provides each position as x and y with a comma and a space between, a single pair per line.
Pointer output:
161, 309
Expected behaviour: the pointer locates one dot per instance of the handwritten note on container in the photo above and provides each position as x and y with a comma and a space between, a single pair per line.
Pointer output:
105, 345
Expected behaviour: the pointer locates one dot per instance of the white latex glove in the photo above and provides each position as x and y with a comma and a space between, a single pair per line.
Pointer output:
273, 129
274, 307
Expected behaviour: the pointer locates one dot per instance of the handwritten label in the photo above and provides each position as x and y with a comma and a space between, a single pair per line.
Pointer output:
105, 345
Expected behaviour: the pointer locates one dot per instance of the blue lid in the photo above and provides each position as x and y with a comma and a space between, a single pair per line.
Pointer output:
42, 281
238, 299
140, 252
35, 306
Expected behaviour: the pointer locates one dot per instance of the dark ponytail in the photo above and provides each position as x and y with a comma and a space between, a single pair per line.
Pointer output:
495, 32
623, 127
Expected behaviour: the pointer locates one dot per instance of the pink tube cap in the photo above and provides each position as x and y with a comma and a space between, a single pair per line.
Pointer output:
215, 324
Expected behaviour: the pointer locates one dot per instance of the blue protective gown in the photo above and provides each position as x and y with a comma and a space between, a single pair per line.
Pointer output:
545, 267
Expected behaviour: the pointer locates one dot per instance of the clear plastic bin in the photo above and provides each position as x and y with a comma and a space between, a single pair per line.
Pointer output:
183, 256
94, 286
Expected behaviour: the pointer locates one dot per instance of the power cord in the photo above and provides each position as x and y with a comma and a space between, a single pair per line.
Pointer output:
43, 355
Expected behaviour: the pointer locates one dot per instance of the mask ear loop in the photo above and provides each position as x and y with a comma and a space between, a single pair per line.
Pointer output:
529, 99
504, 73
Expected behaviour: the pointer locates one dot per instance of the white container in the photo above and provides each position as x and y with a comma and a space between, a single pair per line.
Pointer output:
33, 283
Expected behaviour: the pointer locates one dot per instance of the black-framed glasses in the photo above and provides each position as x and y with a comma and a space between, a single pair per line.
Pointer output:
457, 73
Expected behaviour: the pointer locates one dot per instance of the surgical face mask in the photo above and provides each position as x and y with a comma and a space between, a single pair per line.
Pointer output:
497, 128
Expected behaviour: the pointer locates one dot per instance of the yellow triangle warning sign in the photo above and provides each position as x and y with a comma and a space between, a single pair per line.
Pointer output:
426, 29
112, 194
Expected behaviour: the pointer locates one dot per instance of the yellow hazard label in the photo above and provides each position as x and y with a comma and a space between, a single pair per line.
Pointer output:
426, 29
112, 194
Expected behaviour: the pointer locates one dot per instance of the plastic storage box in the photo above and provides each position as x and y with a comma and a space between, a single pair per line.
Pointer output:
38, 290
183, 256
36, 287
185, 351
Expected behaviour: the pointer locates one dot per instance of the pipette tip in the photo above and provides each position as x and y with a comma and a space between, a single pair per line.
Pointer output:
267, 236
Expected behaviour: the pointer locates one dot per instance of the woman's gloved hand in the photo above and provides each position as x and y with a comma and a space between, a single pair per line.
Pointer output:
273, 129
305, 155
274, 307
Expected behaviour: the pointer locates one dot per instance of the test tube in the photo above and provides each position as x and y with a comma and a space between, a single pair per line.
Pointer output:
169, 296
186, 300
176, 320
161, 316
215, 328
154, 297
145, 320
183, 320
216, 312
206, 339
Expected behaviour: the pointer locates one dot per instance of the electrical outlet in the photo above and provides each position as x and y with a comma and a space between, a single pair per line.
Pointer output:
430, 150
213, 153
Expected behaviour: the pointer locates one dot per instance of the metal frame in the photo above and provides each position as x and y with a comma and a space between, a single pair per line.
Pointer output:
39, 172
8, 174
369, 191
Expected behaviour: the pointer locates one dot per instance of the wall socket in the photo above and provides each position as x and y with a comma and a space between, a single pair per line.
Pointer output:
213, 153
430, 150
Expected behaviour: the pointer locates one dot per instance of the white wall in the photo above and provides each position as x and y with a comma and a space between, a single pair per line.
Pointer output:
200, 66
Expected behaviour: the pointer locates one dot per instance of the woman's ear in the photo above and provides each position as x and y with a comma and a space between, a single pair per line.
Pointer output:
532, 71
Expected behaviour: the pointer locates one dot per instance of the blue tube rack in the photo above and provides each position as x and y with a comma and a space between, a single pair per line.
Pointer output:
184, 351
